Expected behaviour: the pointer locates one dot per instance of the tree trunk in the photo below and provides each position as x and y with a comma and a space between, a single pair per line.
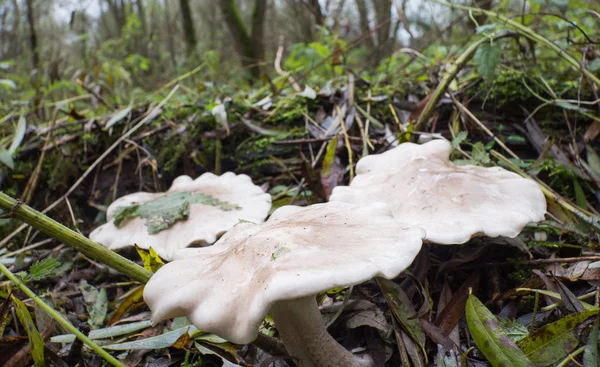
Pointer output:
382, 20
248, 45
33, 44
188, 26
142, 15
15, 49
363, 18
3, 31
315, 7
258, 28
117, 8
171, 41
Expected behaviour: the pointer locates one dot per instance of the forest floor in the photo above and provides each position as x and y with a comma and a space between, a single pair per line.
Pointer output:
540, 289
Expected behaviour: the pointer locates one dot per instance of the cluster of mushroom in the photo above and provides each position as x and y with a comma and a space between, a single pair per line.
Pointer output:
374, 227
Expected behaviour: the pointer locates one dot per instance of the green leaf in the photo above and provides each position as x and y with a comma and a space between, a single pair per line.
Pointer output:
151, 260
593, 161
96, 304
579, 194
460, 137
41, 269
516, 139
6, 159
594, 65
104, 333
570, 106
8, 83
117, 116
490, 339
19, 135
487, 57
554, 341
167, 210
590, 353
479, 155
35, 339
156, 342
513, 329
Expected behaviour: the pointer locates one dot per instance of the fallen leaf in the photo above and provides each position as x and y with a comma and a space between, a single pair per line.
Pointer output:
490, 339
554, 341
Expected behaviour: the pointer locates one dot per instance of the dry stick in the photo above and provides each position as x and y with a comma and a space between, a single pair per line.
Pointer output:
280, 71
319, 140
452, 71
347, 141
89, 90
483, 127
149, 116
550, 195
530, 262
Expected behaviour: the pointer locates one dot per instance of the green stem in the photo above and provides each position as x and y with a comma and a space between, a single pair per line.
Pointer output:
529, 33
79, 242
581, 214
455, 67
452, 70
61, 320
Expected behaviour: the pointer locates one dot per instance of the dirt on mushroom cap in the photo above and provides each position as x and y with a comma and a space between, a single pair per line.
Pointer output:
204, 209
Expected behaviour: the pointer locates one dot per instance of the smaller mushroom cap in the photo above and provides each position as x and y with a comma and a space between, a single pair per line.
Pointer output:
452, 203
228, 288
213, 204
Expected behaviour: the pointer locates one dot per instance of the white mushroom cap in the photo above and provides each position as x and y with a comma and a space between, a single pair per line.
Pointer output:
452, 203
237, 199
228, 288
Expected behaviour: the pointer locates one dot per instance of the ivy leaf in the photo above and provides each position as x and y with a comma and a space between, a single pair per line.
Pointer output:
487, 58
167, 210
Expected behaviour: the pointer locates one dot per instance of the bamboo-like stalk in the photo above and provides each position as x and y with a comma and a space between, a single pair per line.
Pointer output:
529, 33
456, 66
52, 228
451, 71
58, 317
582, 214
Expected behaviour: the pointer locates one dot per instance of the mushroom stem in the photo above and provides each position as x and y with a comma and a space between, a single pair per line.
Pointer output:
303, 332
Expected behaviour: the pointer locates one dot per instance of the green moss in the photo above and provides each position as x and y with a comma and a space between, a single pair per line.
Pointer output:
520, 274
171, 153
259, 148
508, 86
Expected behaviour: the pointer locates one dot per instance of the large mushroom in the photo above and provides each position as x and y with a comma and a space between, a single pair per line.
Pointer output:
278, 267
190, 212
452, 203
